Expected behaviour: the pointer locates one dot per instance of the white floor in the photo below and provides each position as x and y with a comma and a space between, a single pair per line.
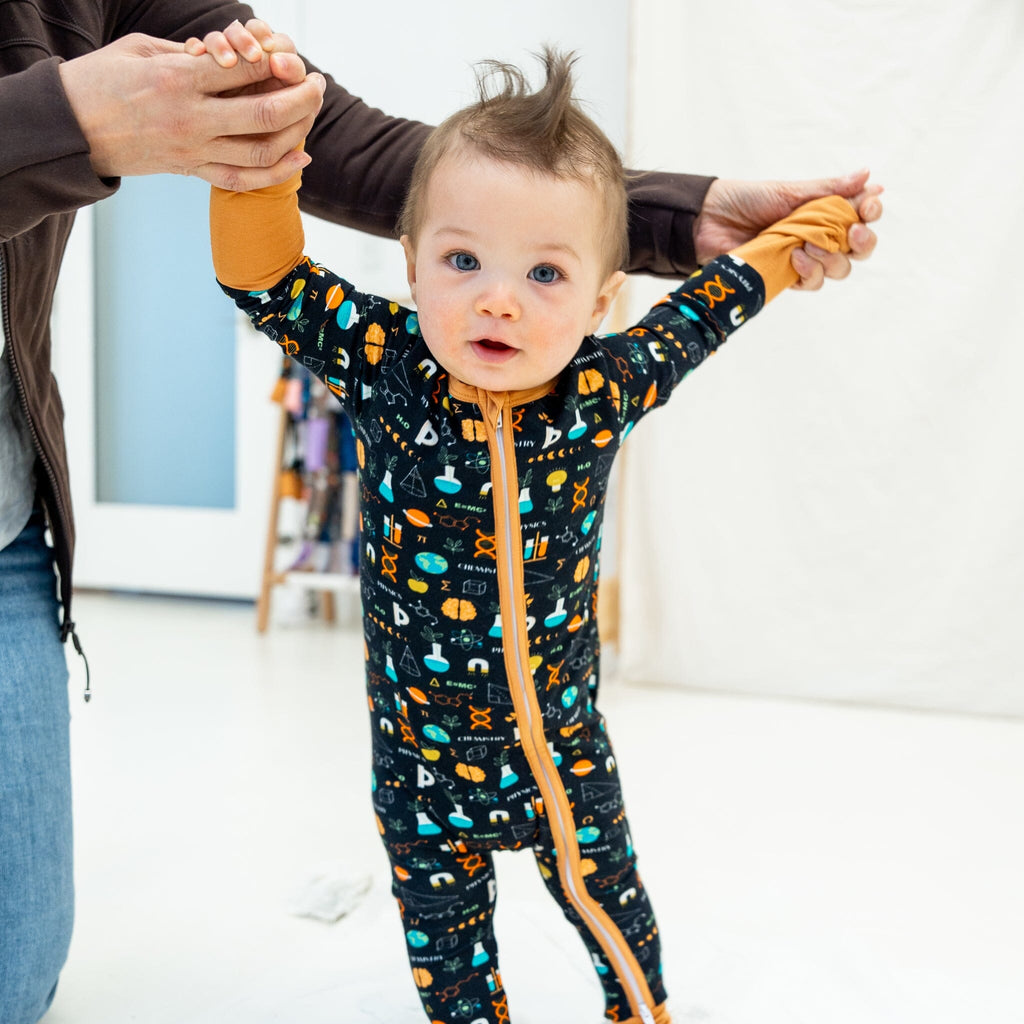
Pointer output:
810, 864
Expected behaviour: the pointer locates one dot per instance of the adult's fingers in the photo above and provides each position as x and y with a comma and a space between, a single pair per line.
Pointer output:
811, 271
208, 77
862, 242
256, 151
845, 185
242, 179
265, 113
288, 67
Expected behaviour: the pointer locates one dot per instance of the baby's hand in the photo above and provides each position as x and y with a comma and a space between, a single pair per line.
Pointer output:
255, 41
252, 40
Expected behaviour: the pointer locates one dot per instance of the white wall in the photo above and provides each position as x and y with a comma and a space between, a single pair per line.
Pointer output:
845, 518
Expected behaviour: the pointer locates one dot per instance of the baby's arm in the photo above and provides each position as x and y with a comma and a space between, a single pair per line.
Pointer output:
335, 332
320, 320
257, 236
688, 325
734, 287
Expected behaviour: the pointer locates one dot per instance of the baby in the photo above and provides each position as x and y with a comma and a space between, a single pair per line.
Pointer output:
487, 421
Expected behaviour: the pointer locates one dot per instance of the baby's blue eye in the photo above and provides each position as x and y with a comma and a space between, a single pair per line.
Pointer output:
544, 274
463, 261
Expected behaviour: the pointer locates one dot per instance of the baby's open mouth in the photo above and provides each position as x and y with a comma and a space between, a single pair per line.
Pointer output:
491, 351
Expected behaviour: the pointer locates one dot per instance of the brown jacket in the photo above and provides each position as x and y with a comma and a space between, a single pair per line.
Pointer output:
363, 160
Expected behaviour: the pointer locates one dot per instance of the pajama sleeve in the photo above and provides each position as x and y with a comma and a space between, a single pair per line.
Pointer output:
257, 236
337, 333
688, 325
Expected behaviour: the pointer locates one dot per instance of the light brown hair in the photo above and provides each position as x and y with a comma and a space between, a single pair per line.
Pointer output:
545, 131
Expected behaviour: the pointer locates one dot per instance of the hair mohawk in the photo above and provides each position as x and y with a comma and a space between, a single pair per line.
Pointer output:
544, 130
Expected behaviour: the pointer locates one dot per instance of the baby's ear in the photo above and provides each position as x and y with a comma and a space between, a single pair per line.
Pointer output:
410, 263
605, 298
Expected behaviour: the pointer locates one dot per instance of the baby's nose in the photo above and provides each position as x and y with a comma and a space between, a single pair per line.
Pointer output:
498, 300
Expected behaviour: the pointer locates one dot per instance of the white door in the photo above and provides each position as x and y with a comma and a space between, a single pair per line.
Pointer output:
171, 435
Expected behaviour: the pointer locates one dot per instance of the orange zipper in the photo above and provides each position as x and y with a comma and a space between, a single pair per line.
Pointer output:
496, 409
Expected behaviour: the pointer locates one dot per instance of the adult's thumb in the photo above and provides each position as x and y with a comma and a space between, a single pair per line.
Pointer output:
848, 185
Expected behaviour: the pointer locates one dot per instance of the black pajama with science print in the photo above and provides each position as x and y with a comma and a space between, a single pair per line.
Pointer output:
481, 521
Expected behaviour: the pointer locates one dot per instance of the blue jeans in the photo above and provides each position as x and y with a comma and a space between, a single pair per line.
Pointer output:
36, 888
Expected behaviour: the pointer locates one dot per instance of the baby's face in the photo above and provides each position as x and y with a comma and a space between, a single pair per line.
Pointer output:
507, 272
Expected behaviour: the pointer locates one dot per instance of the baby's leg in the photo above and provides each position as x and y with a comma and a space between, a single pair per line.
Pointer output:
446, 896
610, 874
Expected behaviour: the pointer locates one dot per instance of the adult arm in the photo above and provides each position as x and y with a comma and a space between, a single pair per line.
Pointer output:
138, 105
362, 161
362, 157
41, 171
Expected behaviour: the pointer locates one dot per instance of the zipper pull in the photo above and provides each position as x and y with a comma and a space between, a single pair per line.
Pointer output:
66, 630
491, 404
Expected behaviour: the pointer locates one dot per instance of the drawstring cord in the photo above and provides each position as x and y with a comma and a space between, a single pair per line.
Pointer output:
66, 630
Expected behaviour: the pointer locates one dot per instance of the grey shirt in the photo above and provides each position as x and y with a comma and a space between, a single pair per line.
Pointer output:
17, 457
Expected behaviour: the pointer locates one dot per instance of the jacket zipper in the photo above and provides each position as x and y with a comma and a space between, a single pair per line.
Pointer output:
67, 628
524, 698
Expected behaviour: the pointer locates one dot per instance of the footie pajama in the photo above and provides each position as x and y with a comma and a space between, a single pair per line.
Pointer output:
480, 527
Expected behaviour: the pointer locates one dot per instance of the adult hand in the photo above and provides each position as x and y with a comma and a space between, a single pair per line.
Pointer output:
735, 211
146, 107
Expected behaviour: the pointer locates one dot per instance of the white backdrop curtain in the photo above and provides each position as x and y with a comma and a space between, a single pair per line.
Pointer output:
833, 506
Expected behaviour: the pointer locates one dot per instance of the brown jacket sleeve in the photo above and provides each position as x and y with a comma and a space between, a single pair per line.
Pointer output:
42, 172
362, 162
